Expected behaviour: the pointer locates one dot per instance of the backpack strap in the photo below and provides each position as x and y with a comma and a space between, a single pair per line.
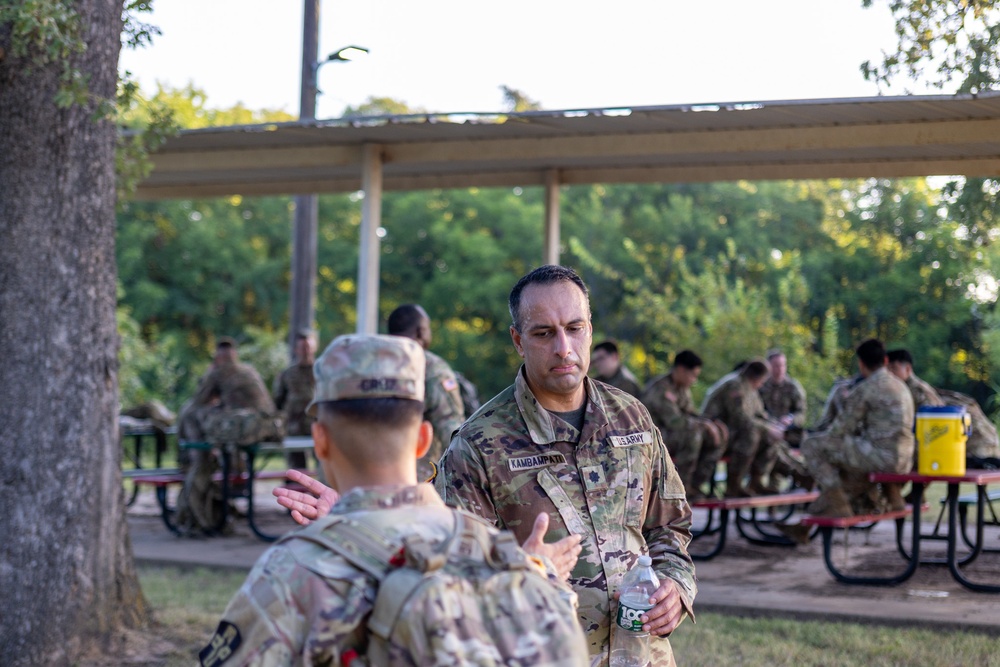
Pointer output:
361, 545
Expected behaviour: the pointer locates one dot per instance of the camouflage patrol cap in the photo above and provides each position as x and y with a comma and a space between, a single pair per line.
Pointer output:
369, 366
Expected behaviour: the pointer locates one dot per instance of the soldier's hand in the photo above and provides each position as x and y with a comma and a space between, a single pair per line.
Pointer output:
667, 612
562, 554
306, 507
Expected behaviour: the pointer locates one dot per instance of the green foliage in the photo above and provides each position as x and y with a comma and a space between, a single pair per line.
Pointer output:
942, 42
727, 269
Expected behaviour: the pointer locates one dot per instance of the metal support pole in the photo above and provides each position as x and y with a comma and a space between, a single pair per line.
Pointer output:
303, 290
371, 220
551, 246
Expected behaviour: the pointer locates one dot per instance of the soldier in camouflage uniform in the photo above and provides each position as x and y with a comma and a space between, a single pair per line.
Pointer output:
304, 602
293, 391
232, 407
783, 396
443, 406
901, 365
609, 369
695, 443
753, 438
585, 454
873, 433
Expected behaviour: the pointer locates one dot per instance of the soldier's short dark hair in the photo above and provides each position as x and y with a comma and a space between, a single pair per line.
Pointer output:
688, 360
900, 355
774, 352
225, 342
755, 369
392, 413
871, 353
404, 319
543, 275
609, 346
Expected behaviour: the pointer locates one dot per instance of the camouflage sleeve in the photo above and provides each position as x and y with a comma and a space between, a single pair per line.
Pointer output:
462, 481
851, 415
443, 404
799, 404
283, 612
280, 392
207, 389
666, 414
667, 529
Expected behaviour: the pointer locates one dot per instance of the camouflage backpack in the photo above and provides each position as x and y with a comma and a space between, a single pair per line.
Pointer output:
473, 599
983, 443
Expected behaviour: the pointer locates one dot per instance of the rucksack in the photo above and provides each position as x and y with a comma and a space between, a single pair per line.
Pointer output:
475, 598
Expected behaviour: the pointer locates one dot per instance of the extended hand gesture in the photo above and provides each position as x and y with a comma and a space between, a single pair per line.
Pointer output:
561, 554
306, 507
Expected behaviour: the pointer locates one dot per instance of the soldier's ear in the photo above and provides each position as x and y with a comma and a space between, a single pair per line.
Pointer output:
321, 440
424, 438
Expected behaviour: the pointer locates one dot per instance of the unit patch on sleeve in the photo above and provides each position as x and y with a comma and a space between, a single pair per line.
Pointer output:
224, 642
641, 438
537, 461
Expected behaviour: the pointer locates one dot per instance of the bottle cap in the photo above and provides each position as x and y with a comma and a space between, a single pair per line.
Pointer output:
645, 561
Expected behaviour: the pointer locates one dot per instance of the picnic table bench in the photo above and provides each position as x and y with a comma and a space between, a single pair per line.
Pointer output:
954, 505
751, 526
234, 484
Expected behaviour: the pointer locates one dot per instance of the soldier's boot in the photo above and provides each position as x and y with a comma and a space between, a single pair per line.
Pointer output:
804, 480
703, 474
894, 497
758, 470
796, 532
831, 503
736, 470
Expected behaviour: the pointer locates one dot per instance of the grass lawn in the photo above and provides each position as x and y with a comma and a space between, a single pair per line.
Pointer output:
187, 605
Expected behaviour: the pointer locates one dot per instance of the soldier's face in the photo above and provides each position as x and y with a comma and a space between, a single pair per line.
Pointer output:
554, 342
779, 365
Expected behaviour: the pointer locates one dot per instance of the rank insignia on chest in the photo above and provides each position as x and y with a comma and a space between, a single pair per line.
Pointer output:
640, 438
536, 461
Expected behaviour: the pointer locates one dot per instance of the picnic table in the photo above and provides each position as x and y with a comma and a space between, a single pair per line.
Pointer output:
137, 431
233, 484
751, 523
956, 508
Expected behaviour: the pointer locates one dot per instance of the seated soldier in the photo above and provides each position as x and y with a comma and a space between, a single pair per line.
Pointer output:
752, 437
901, 365
231, 407
695, 443
309, 601
609, 369
873, 433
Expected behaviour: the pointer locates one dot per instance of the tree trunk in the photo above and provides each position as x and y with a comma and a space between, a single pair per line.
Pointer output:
68, 584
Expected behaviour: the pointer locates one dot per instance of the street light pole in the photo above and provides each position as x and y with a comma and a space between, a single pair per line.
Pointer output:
303, 293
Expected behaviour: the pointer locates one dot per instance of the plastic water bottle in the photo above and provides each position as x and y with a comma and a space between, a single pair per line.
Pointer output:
629, 643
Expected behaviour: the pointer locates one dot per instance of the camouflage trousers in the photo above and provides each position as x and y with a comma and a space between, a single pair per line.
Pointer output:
844, 462
695, 455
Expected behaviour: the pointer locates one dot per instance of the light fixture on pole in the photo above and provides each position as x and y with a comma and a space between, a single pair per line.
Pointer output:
346, 54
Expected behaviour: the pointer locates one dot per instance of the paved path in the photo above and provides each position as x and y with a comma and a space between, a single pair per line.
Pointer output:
745, 579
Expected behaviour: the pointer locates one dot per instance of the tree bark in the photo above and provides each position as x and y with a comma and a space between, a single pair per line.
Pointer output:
68, 585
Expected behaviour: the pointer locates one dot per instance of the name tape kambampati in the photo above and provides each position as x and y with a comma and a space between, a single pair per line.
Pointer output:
537, 461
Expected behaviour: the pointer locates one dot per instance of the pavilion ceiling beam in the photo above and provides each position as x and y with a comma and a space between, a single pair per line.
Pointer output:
882, 135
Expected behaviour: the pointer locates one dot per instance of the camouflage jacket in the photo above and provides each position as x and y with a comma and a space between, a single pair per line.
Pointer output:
303, 604
786, 398
738, 406
879, 415
442, 404
714, 389
922, 393
624, 379
671, 408
613, 483
293, 391
834, 405
236, 386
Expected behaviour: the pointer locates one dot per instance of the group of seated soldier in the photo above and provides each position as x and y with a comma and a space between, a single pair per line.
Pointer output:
753, 417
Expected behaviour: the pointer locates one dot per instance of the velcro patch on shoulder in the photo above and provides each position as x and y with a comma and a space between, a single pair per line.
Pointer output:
537, 461
224, 643
449, 384
640, 438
